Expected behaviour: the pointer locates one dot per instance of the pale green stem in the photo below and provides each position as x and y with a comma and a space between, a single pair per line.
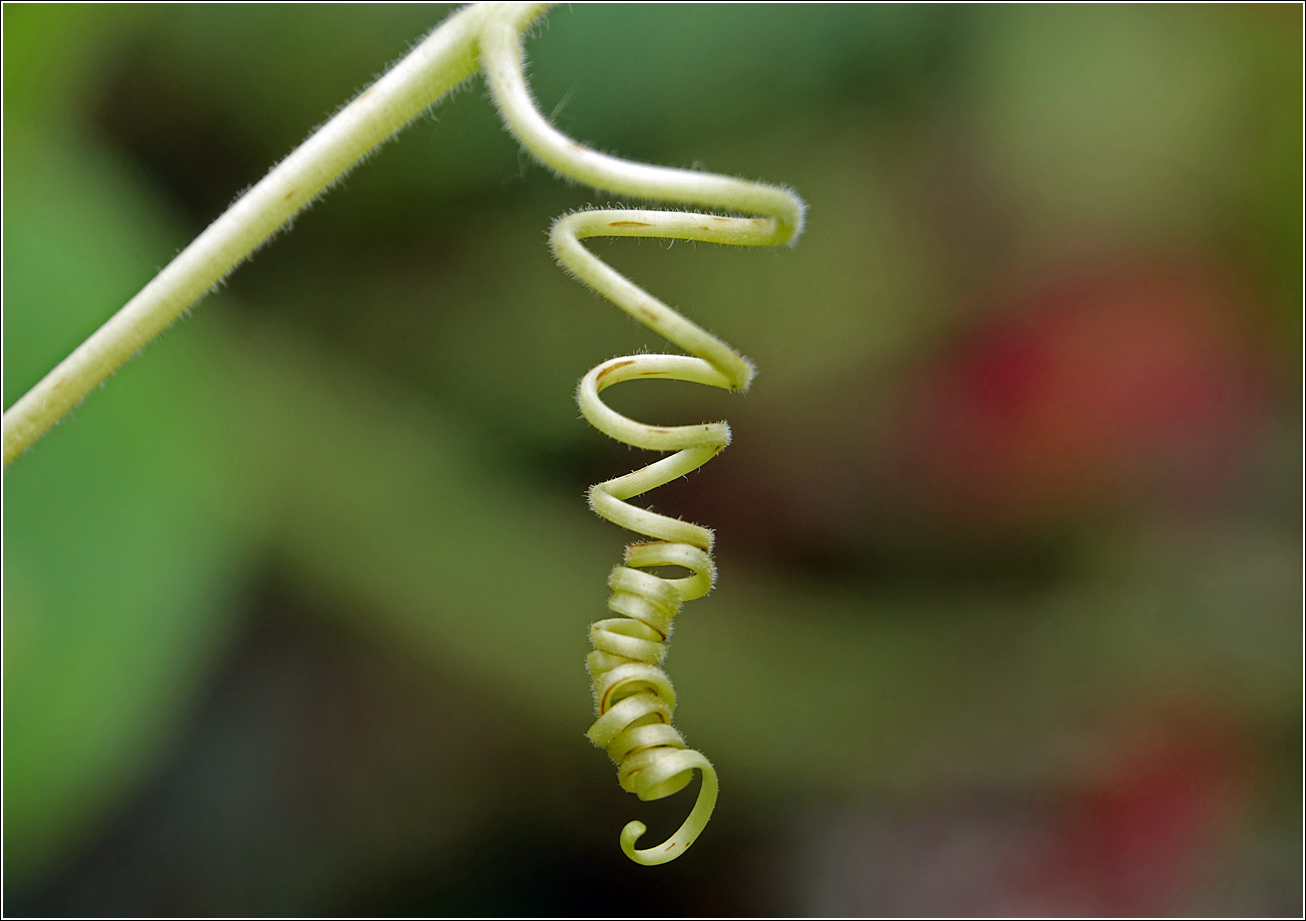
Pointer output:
443, 60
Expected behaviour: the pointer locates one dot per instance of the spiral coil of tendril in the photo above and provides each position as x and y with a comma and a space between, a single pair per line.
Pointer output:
634, 698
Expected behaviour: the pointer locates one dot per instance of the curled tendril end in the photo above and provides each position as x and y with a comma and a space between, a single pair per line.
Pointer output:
633, 696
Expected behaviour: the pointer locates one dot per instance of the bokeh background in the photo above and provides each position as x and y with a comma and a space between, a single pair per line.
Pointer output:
1009, 616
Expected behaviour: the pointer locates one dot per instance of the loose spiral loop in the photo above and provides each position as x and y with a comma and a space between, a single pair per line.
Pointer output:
633, 696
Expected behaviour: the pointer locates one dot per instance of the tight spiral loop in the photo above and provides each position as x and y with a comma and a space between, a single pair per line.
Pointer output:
633, 696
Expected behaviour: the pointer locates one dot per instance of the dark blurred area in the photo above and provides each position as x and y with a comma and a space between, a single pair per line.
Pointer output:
1009, 617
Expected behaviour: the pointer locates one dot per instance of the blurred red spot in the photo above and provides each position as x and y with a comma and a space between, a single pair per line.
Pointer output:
1096, 386
1137, 836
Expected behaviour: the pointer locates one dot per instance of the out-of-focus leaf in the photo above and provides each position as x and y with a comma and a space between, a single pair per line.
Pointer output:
122, 546
1106, 121
52, 52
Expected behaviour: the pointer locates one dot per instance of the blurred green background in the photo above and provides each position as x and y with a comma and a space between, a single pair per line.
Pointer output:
1009, 614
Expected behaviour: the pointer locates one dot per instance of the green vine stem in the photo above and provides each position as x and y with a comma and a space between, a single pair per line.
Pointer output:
444, 59
633, 696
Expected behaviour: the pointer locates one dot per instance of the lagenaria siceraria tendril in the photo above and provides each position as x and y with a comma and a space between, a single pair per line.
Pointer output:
633, 696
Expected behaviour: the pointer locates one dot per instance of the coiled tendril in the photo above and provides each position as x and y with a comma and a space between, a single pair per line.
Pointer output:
633, 695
